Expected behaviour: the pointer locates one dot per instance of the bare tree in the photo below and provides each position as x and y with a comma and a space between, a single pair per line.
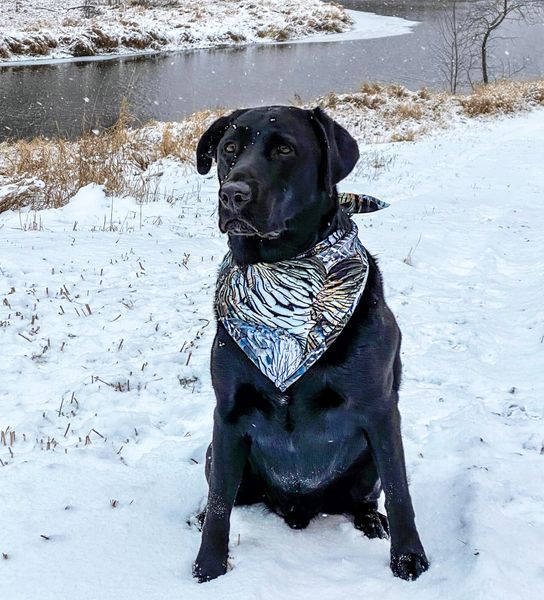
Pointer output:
467, 33
487, 17
88, 9
455, 48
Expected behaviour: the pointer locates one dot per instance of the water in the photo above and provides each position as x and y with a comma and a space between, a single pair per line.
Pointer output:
63, 97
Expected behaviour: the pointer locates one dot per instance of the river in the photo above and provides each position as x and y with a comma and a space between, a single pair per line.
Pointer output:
63, 97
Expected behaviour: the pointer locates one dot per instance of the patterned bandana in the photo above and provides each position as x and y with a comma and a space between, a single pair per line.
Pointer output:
285, 315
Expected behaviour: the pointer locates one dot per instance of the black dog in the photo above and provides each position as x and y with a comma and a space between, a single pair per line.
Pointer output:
338, 426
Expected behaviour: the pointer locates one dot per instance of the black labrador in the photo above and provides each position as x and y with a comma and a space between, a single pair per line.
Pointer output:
278, 168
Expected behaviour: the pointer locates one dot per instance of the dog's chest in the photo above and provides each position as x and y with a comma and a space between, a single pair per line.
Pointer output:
302, 445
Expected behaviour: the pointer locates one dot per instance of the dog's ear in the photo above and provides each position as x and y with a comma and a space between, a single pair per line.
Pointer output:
207, 145
340, 150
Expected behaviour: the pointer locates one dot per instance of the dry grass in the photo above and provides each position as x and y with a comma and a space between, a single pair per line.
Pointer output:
179, 140
48, 172
503, 97
389, 113
332, 18
59, 168
96, 38
409, 135
135, 25
32, 44
278, 34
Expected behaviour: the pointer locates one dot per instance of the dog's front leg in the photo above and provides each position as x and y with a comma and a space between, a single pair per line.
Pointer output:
229, 455
408, 558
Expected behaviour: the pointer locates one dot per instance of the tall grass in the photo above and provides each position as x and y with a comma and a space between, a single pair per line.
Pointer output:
45, 173
503, 97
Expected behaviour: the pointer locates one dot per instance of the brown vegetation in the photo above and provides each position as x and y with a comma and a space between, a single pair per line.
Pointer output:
274, 33
152, 25
48, 172
503, 97
389, 113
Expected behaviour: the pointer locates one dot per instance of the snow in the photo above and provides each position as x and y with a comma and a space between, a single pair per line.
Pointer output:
366, 25
106, 326
49, 31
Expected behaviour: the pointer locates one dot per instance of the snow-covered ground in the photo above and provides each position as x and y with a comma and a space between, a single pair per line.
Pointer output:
106, 404
365, 26
51, 29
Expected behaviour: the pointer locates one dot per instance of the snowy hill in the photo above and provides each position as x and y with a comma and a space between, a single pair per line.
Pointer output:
106, 404
61, 29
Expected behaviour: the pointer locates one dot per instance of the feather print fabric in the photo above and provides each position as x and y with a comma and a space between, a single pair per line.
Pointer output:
285, 315
360, 203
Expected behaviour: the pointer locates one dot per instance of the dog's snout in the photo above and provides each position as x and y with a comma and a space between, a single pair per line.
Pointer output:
235, 194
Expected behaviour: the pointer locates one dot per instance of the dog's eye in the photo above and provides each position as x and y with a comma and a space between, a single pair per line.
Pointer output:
284, 149
230, 147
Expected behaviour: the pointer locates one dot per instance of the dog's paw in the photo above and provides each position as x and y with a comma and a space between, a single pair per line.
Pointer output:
409, 565
206, 570
297, 521
373, 524
197, 520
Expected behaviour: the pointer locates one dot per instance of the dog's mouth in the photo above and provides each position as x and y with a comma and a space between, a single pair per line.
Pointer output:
237, 226
241, 227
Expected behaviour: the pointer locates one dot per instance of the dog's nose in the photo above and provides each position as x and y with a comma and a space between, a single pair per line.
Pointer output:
234, 194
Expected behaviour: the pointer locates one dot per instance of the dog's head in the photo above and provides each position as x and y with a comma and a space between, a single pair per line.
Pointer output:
278, 167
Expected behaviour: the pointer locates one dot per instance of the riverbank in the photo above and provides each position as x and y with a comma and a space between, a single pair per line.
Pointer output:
143, 162
49, 29
106, 326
